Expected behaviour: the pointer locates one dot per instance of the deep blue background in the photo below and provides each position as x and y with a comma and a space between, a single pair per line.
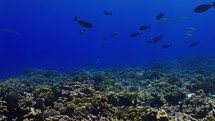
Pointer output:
51, 40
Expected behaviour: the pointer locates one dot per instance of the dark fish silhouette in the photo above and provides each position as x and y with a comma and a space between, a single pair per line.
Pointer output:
148, 102
149, 42
194, 44
157, 39
171, 100
174, 99
83, 23
160, 16
135, 34
113, 34
91, 64
203, 8
177, 41
103, 46
104, 38
156, 103
144, 27
107, 13
167, 21
166, 46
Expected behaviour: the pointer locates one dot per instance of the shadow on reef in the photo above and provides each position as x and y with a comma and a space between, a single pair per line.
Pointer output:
163, 91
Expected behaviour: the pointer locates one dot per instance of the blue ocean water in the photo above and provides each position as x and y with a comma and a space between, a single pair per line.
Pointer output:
50, 38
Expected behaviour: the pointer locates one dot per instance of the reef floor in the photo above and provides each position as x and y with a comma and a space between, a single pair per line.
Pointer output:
179, 90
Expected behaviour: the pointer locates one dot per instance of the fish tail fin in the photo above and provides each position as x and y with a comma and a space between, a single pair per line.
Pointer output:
75, 19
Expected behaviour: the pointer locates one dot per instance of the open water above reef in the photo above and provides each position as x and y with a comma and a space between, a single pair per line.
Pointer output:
177, 90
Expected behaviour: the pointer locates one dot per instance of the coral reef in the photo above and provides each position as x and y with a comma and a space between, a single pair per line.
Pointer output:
180, 90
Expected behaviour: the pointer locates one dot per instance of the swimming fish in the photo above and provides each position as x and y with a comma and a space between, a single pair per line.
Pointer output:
160, 16
11, 31
190, 29
203, 8
107, 13
174, 99
83, 23
157, 39
113, 34
167, 21
148, 102
156, 103
91, 64
135, 34
144, 27
194, 44
166, 46
177, 41
104, 38
103, 46
81, 31
213, 38
149, 42
187, 35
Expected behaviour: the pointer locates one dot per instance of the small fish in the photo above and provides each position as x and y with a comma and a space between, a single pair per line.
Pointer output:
166, 46
104, 38
113, 34
213, 38
177, 41
156, 103
81, 31
89, 64
203, 8
160, 16
149, 42
83, 23
103, 46
148, 102
11, 31
167, 21
187, 35
144, 27
190, 29
161, 36
194, 44
135, 34
171, 100
174, 99
157, 39
107, 13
